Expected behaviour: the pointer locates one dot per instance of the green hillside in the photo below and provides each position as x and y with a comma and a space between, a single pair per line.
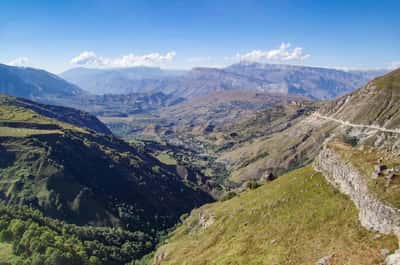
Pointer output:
297, 219
78, 176
27, 112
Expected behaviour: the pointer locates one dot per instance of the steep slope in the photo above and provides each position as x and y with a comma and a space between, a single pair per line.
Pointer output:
79, 176
302, 217
368, 115
35, 84
375, 104
297, 219
67, 115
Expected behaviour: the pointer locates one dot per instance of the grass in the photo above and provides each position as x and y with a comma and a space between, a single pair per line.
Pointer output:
364, 160
296, 219
22, 116
165, 158
6, 255
24, 132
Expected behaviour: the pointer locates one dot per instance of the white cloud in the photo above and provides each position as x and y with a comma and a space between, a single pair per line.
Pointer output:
283, 53
20, 61
394, 65
89, 58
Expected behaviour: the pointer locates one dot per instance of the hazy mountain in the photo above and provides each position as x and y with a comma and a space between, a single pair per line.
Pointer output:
119, 80
354, 143
35, 84
317, 83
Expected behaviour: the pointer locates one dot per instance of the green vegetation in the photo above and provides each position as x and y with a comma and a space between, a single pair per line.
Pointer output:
167, 159
296, 219
28, 114
23, 132
29, 238
80, 177
6, 255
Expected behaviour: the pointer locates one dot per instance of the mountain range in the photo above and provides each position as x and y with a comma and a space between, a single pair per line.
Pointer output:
296, 180
316, 83
119, 80
341, 206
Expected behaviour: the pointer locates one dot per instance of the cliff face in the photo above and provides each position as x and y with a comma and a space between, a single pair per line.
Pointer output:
374, 214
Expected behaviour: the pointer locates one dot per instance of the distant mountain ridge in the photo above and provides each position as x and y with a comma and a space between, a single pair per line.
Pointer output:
118, 80
313, 82
35, 84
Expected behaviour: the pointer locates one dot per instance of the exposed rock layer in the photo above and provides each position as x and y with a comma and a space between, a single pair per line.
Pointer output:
373, 214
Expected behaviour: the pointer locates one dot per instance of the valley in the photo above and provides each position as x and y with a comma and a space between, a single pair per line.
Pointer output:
258, 132
156, 179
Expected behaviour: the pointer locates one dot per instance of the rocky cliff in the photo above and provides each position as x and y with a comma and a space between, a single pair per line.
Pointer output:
373, 213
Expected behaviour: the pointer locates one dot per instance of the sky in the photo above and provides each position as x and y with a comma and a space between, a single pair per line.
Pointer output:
58, 35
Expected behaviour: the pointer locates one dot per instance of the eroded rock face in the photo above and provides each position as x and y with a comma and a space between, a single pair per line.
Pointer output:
373, 214
393, 259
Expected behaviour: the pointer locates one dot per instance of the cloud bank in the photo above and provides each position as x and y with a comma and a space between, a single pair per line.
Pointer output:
20, 61
90, 58
394, 65
283, 53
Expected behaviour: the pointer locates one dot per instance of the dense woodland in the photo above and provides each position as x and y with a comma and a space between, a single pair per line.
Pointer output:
39, 240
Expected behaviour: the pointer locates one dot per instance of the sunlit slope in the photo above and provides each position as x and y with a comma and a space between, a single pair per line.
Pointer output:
84, 177
377, 103
296, 219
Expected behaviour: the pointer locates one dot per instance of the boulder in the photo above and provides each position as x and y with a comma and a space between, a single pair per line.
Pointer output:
393, 259
270, 177
325, 260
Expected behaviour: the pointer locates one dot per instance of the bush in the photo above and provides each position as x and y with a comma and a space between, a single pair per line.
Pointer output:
351, 140
252, 184
229, 195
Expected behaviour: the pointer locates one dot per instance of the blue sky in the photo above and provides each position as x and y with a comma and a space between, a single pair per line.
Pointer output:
181, 34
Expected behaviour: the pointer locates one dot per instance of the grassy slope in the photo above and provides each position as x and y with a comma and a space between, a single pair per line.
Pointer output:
26, 122
6, 255
82, 177
22, 110
296, 219
375, 103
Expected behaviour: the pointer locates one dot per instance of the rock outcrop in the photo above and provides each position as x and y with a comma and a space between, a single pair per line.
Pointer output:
373, 214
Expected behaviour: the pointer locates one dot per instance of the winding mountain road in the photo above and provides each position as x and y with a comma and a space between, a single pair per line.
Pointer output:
362, 126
